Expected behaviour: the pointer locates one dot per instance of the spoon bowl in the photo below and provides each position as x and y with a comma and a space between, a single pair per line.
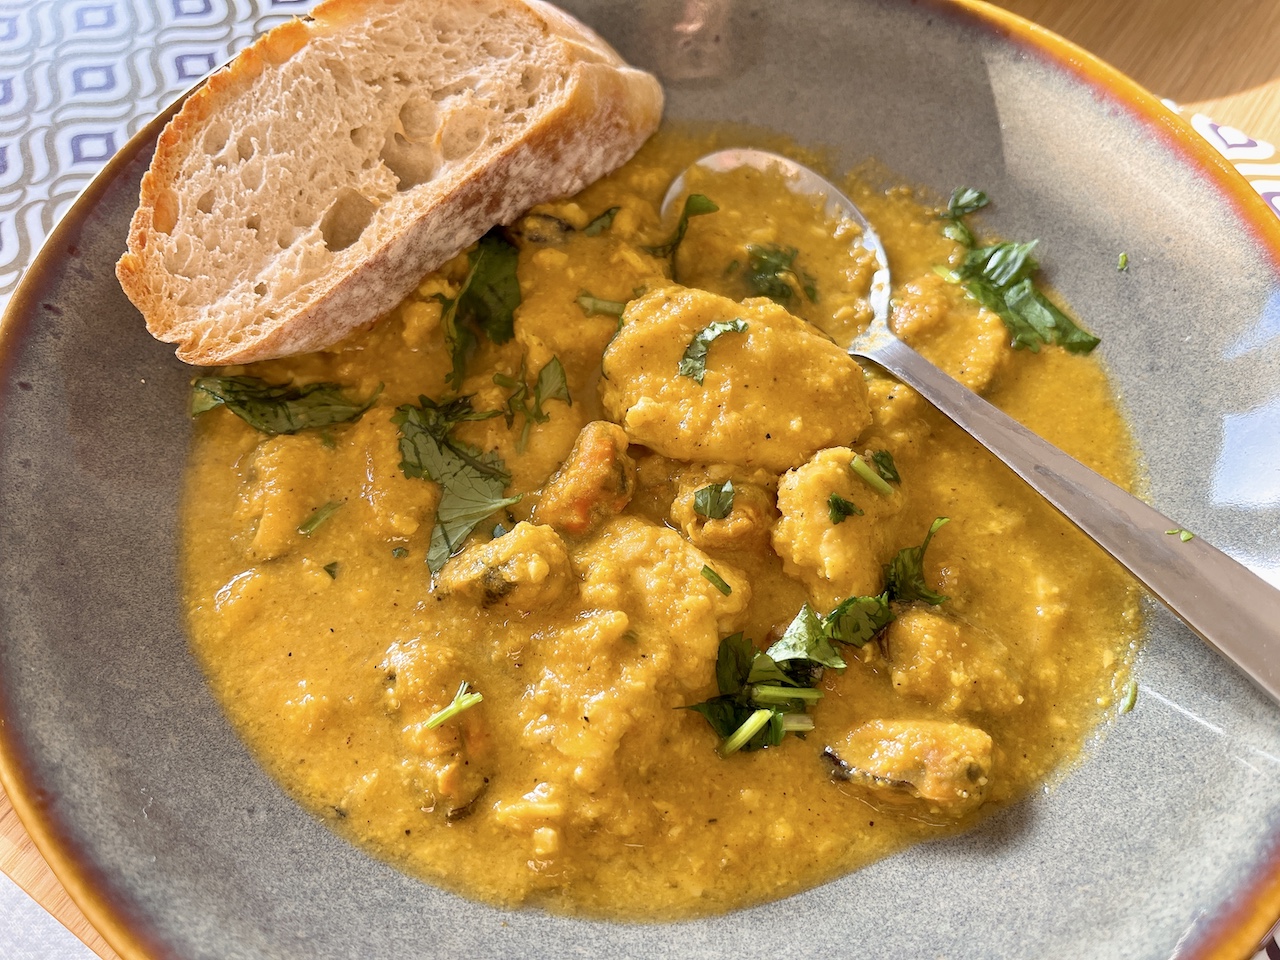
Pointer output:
1219, 599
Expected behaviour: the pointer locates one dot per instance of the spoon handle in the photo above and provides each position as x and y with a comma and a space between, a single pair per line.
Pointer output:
1226, 604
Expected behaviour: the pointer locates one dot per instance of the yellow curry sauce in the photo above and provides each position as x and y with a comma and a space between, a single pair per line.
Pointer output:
578, 784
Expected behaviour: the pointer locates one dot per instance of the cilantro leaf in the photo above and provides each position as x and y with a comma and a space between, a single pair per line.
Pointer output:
714, 501
1000, 277
486, 301
855, 620
771, 273
278, 408
733, 663
805, 639
471, 482
552, 384
694, 362
601, 223
839, 508
695, 205
885, 466
904, 574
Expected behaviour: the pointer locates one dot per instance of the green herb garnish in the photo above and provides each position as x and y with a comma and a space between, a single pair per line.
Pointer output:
1000, 277
471, 482
714, 501
695, 205
904, 574
552, 384
1181, 534
486, 302
871, 475
855, 620
601, 223
717, 581
592, 305
1128, 696
694, 362
462, 700
839, 508
332, 570
771, 273
1123, 263
312, 523
399, 552
275, 408
885, 466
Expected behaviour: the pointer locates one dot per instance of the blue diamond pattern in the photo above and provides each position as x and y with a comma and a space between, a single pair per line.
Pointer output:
8, 28
96, 16
193, 66
192, 8
93, 79
92, 147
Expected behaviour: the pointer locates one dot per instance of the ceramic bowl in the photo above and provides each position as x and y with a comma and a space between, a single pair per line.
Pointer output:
1162, 841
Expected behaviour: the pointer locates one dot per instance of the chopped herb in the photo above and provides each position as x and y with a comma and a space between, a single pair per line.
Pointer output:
695, 205
885, 466
399, 552
717, 581
964, 201
870, 475
771, 273
957, 231
806, 639
332, 570
1000, 277
1123, 262
904, 574
783, 679
742, 671
694, 362
714, 501
471, 482
498, 531
750, 727
462, 700
1181, 534
552, 384
855, 620
1128, 696
278, 408
592, 305
312, 523
840, 508
601, 223
486, 301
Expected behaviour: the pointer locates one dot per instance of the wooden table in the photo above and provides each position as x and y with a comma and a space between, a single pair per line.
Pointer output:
1218, 57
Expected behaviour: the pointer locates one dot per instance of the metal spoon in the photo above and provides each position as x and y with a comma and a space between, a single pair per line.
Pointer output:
1227, 605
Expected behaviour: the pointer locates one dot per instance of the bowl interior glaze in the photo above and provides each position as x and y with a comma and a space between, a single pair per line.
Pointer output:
181, 846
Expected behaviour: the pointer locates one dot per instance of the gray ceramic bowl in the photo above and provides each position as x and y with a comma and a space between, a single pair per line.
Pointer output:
1163, 842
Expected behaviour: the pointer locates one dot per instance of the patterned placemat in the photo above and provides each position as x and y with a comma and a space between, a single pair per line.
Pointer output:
79, 77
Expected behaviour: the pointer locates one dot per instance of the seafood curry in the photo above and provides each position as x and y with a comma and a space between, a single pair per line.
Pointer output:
598, 577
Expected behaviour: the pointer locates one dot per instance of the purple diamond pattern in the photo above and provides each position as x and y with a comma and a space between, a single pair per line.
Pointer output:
193, 66
96, 16
95, 79
92, 147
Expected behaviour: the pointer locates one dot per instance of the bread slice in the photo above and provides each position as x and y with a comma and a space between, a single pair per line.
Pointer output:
307, 187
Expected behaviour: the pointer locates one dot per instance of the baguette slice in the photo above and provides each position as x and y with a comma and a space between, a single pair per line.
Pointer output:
307, 187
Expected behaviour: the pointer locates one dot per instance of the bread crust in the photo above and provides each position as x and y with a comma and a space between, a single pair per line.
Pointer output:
603, 112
